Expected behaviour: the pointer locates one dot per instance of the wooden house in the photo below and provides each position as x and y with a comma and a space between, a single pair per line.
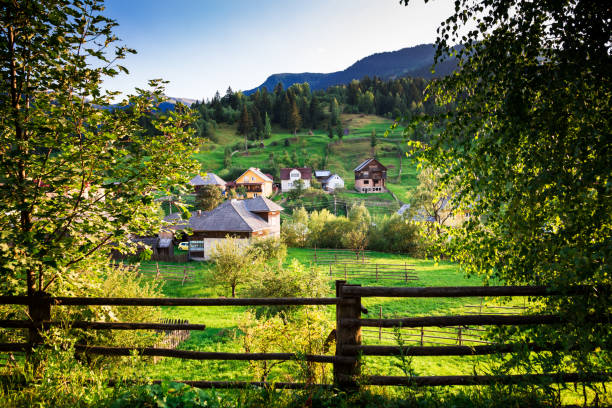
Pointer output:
257, 217
370, 177
255, 182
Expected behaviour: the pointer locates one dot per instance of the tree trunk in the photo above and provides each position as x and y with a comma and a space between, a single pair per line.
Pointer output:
233, 291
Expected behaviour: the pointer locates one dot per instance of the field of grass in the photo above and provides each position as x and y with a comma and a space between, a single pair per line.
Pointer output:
222, 322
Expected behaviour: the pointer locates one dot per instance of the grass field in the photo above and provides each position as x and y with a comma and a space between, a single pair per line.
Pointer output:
222, 322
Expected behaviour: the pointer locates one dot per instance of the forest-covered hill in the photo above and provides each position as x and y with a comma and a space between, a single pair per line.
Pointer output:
413, 61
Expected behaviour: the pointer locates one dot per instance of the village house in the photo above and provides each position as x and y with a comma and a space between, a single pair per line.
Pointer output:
210, 179
257, 217
255, 183
370, 177
332, 182
290, 176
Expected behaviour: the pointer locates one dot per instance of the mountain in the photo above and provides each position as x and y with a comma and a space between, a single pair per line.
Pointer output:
412, 61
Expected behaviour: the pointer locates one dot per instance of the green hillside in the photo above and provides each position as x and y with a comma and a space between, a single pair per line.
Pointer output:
317, 150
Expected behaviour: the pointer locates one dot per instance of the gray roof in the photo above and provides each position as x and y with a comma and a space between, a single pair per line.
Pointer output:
231, 216
322, 173
262, 204
362, 165
210, 179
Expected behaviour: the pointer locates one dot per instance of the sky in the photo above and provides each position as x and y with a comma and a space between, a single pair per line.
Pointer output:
202, 46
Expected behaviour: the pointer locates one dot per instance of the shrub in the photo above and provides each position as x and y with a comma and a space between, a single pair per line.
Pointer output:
270, 248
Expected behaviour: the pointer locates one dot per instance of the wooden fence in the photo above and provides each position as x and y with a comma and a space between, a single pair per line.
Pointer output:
182, 273
328, 255
349, 324
373, 271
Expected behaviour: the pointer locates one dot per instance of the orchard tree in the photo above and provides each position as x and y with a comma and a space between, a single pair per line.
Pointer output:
528, 142
235, 262
77, 174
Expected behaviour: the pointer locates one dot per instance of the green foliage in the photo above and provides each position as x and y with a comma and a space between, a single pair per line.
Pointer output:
271, 248
77, 173
395, 234
208, 197
525, 140
294, 280
297, 190
305, 332
235, 261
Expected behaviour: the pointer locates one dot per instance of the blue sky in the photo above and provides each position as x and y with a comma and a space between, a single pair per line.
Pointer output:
202, 46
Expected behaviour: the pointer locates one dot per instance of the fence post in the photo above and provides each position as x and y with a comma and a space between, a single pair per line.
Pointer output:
345, 374
184, 275
376, 272
406, 272
157, 267
330, 270
315, 254
380, 327
345, 275
422, 334
459, 335
40, 311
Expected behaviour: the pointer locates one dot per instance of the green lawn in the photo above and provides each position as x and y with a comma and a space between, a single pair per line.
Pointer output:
222, 322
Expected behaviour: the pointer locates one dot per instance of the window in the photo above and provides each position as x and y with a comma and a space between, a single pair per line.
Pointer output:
252, 178
366, 181
246, 179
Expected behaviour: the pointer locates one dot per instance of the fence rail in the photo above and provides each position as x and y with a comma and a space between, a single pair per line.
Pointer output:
372, 271
348, 333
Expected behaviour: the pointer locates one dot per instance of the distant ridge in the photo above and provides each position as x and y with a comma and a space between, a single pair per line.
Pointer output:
412, 61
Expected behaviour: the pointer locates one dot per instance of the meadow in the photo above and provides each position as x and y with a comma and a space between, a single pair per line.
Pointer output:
222, 332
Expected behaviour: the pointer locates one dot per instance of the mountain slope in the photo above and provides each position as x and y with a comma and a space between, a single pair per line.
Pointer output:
413, 61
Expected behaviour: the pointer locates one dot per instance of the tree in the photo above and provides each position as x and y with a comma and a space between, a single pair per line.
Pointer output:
294, 120
525, 139
77, 172
373, 141
297, 190
267, 132
334, 112
339, 131
429, 200
244, 126
227, 157
234, 262
208, 197
315, 112
330, 132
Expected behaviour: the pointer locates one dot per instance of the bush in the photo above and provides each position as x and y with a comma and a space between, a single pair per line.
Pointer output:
270, 248
395, 234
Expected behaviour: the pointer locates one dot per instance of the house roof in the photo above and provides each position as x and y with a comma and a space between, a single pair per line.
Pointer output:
366, 162
327, 180
322, 173
231, 216
305, 172
262, 204
210, 179
256, 171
